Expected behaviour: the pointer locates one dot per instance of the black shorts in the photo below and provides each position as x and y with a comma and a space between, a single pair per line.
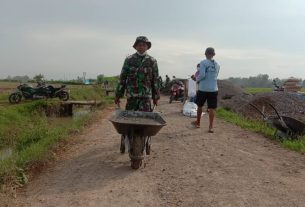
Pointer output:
210, 97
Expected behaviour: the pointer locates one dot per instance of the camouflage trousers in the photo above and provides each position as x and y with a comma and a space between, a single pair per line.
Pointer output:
139, 104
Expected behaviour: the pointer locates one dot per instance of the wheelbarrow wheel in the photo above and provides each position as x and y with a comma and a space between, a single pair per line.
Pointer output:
136, 164
171, 98
122, 146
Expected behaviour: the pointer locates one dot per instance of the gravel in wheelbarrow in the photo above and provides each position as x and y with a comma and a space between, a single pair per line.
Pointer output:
137, 122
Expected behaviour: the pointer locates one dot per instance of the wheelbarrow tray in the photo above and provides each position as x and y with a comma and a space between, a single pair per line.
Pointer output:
291, 125
137, 122
294, 125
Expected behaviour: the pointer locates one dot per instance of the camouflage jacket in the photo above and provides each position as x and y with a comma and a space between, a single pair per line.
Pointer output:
139, 77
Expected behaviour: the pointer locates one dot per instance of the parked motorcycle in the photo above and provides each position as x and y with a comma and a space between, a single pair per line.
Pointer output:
177, 93
41, 92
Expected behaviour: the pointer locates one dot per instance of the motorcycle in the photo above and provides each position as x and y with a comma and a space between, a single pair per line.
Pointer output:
136, 129
40, 92
177, 93
277, 87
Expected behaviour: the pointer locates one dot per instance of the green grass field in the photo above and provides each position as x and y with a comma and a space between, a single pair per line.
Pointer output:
258, 90
263, 90
77, 92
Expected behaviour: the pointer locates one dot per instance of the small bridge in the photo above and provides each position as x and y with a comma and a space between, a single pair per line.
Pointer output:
109, 90
67, 106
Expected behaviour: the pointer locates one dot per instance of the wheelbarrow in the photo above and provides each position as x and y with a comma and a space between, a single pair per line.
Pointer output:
136, 128
286, 127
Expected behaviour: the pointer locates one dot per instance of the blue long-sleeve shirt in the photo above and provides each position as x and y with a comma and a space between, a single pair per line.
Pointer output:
208, 73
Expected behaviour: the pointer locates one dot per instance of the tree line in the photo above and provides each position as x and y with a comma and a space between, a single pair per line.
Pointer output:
259, 81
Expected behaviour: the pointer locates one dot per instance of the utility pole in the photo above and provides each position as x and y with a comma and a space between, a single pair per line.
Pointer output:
84, 77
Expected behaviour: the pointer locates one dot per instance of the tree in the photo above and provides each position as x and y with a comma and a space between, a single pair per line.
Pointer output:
38, 77
100, 78
79, 79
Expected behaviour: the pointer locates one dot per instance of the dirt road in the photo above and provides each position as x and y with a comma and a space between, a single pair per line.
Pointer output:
187, 167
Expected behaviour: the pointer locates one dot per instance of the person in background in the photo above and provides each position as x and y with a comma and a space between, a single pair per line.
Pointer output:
208, 89
197, 71
161, 84
191, 89
167, 80
193, 77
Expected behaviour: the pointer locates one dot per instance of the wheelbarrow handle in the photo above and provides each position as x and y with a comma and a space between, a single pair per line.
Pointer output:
118, 106
283, 123
277, 113
153, 108
264, 116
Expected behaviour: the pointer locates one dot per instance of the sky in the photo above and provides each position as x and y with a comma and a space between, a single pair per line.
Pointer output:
61, 39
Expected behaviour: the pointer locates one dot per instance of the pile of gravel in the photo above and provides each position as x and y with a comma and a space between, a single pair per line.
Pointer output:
287, 104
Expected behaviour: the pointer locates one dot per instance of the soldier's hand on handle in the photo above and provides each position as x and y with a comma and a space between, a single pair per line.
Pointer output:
155, 102
117, 100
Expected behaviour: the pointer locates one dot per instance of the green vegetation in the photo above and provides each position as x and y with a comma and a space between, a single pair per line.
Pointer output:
258, 90
245, 123
3, 97
261, 127
259, 81
30, 135
77, 91
86, 92
263, 90
27, 132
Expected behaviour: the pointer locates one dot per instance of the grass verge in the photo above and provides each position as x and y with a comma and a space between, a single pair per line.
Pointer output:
30, 136
260, 127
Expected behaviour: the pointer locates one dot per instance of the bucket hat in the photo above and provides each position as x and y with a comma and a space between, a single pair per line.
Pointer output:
142, 39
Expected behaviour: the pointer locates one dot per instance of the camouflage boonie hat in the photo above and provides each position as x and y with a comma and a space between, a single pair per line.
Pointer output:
142, 39
210, 51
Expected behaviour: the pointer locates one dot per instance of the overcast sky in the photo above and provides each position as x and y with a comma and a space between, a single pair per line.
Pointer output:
64, 38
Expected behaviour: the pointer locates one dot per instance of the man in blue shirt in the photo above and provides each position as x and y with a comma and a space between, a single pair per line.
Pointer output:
208, 89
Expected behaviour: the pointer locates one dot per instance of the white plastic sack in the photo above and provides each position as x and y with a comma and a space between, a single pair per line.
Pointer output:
190, 109
191, 88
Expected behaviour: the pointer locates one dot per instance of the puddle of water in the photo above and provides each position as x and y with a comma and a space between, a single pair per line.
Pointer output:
77, 113
5, 153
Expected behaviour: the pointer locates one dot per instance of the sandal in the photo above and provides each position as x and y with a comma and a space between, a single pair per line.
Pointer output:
211, 130
195, 124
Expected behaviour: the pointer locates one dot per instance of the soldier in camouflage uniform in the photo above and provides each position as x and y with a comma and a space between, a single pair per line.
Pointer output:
139, 78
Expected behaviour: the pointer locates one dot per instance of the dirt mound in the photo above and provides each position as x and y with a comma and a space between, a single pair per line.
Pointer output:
228, 90
287, 104
231, 96
234, 98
